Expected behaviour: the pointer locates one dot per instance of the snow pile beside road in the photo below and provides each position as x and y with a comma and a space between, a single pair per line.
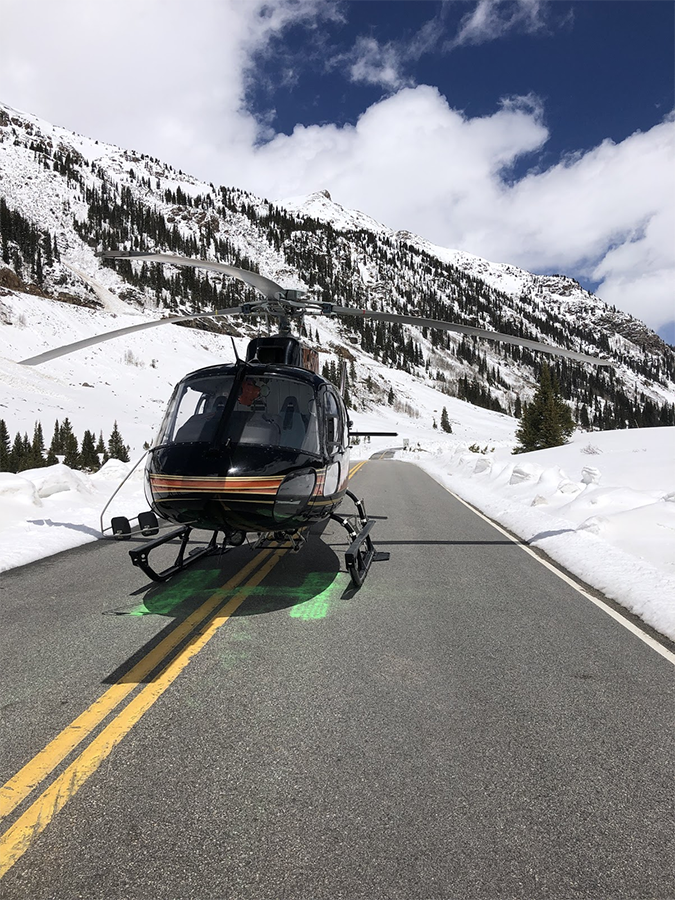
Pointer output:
44, 511
602, 505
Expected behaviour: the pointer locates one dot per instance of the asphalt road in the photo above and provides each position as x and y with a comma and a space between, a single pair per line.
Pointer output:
467, 725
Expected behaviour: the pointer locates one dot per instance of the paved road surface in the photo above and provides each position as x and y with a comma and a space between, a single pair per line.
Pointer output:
465, 726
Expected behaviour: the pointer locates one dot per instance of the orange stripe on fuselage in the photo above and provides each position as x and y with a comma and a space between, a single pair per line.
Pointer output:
182, 484
265, 485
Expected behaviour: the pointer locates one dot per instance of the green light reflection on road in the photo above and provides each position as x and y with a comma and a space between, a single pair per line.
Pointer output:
169, 596
309, 600
318, 604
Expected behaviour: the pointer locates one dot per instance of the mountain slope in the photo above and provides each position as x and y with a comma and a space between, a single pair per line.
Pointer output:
63, 196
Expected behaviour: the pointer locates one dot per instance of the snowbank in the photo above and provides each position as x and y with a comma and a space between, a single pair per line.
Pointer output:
45, 511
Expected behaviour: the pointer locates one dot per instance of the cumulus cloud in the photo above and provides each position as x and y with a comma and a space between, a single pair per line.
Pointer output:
157, 76
373, 63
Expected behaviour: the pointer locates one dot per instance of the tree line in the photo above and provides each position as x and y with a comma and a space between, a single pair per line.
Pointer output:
88, 455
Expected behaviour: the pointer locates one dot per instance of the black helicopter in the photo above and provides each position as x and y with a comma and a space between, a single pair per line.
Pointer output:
260, 445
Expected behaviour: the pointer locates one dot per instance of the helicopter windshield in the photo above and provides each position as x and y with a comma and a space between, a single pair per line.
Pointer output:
278, 412
269, 410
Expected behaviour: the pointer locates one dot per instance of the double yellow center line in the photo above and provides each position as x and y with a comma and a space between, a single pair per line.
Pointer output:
196, 631
356, 468
187, 638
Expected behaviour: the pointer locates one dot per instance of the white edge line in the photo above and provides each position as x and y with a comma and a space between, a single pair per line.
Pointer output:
622, 620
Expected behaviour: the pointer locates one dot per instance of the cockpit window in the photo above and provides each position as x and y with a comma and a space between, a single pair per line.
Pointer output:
274, 411
196, 409
268, 410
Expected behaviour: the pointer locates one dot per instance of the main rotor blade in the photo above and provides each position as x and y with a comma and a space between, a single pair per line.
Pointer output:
268, 288
110, 335
471, 330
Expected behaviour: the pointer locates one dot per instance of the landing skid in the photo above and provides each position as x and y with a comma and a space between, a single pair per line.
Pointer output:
361, 552
141, 556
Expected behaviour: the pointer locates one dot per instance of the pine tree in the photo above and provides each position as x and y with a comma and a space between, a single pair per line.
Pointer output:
70, 449
16, 454
445, 421
26, 454
5, 447
101, 450
55, 447
547, 421
116, 446
88, 456
38, 447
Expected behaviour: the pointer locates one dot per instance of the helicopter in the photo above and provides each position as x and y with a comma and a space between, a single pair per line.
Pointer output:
259, 446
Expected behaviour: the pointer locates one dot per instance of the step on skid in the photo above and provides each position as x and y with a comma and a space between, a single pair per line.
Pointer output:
361, 552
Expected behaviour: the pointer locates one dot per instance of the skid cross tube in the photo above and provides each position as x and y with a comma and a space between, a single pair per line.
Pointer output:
140, 557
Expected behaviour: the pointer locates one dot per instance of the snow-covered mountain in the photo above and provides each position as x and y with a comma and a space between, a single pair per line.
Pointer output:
64, 196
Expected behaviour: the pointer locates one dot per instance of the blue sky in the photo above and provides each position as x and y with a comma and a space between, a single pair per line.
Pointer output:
603, 69
531, 132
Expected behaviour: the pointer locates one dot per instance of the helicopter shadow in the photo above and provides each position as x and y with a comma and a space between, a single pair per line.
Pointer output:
296, 582
297, 579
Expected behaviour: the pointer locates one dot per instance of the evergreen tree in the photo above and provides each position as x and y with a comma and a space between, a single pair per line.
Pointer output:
101, 450
547, 421
55, 447
16, 454
390, 397
116, 446
26, 454
445, 421
88, 455
70, 449
38, 446
5, 447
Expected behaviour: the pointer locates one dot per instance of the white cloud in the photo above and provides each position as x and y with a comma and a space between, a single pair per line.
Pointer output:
159, 76
492, 19
372, 63
170, 80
